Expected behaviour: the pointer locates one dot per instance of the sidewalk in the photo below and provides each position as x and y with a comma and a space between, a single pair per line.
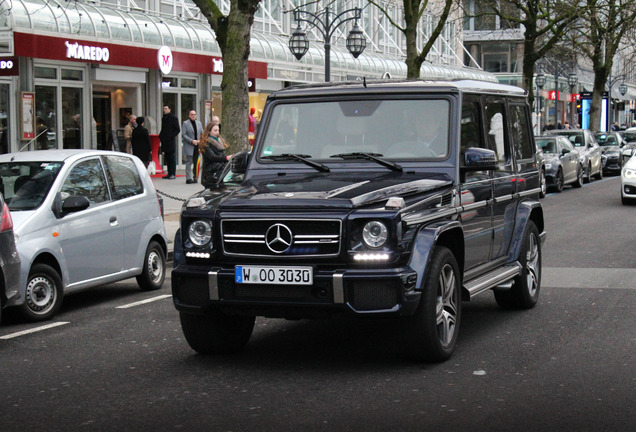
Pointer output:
174, 193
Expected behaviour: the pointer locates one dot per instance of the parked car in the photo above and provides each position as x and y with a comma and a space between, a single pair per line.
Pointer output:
563, 164
584, 142
541, 167
385, 200
629, 135
82, 218
9, 257
628, 181
611, 144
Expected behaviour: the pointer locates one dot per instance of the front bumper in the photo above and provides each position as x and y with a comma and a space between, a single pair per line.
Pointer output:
196, 289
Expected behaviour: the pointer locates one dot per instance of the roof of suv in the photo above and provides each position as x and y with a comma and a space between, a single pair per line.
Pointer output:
398, 86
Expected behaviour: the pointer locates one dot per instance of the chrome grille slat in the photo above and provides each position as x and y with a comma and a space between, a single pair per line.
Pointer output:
310, 237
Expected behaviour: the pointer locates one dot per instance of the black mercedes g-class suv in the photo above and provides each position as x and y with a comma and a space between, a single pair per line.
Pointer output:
384, 199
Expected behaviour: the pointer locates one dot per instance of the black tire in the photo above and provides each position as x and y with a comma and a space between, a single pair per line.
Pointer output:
154, 268
578, 183
599, 176
558, 181
524, 293
542, 184
216, 332
431, 333
43, 295
588, 174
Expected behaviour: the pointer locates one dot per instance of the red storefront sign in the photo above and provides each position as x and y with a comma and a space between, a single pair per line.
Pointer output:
69, 49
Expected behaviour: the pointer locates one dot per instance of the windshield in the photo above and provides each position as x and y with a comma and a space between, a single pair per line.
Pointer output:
629, 136
606, 140
403, 129
26, 184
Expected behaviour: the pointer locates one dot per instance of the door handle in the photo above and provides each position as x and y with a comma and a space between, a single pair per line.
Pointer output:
113, 221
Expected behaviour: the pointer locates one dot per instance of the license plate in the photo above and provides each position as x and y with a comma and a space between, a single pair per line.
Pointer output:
274, 275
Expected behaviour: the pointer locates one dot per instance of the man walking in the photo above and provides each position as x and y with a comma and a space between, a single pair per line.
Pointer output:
168, 137
191, 129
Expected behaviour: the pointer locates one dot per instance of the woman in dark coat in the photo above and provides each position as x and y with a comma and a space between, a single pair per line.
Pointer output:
140, 142
213, 157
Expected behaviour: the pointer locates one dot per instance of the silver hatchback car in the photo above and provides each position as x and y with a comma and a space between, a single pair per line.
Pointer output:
81, 218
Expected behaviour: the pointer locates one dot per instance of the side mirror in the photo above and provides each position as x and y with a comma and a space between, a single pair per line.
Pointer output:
479, 159
70, 204
565, 151
239, 162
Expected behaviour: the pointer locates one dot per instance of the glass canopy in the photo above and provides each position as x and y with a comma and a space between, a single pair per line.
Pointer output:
84, 19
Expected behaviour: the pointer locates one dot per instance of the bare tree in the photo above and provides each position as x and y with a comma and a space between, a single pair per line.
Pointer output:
604, 26
233, 32
413, 13
545, 23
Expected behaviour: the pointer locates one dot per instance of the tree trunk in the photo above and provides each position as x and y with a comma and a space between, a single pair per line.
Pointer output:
234, 84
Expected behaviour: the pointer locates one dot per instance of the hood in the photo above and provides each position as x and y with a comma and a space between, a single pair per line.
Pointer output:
610, 149
326, 190
19, 217
630, 164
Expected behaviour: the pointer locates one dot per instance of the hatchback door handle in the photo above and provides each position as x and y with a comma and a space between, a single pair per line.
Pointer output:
113, 221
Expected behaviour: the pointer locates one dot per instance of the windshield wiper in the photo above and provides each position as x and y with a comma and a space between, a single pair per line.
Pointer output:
369, 156
300, 158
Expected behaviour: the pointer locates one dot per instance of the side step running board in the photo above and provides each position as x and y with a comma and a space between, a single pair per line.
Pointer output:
492, 279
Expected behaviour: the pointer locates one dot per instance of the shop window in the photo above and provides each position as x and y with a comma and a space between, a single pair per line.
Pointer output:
4, 119
188, 83
45, 72
45, 109
72, 75
167, 82
72, 119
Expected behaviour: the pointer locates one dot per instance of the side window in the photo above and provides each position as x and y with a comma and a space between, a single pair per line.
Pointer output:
519, 132
123, 177
494, 121
87, 179
471, 126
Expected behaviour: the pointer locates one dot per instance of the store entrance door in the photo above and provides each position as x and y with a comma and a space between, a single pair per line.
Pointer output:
103, 120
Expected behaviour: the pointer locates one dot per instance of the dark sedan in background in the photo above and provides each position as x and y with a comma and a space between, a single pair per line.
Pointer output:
563, 164
611, 144
9, 258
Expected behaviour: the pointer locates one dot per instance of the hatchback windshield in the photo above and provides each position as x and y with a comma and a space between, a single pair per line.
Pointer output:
26, 184
405, 129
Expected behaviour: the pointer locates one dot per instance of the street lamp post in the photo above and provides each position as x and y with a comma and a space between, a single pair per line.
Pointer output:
573, 80
540, 82
327, 24
610, 83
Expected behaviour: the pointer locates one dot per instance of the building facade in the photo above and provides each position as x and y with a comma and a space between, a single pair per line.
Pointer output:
71, 72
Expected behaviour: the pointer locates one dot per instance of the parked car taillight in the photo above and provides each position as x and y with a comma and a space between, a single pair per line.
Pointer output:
7, 222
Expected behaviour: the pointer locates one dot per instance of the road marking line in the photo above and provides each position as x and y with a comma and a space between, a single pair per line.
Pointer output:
150, 300
33, 330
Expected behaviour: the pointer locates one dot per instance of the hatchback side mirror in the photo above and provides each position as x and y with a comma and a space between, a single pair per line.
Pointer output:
70, 204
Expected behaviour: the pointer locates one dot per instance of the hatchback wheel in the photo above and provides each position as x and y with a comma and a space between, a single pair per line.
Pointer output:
154, 268
43, 295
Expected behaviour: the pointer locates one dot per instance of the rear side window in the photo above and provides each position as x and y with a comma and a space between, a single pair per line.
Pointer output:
123, 177
494, 122
519, 133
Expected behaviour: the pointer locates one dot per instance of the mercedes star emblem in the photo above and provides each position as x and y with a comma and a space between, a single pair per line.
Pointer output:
278, 238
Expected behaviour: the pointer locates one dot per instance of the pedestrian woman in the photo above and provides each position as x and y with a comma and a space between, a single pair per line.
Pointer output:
213, 158
140, 142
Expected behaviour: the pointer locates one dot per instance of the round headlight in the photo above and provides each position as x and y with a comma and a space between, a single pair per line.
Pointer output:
374, 234
200, 232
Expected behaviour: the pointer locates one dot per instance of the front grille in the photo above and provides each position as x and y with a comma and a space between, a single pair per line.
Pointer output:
281, 238
374, 295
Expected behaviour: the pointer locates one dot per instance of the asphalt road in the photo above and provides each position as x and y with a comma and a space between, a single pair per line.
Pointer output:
111, 363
